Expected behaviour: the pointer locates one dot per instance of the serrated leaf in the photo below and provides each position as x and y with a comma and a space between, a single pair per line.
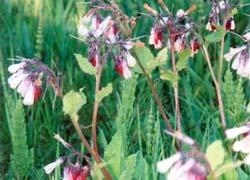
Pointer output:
183, 59
216, 36
169, 76
85, 65
105, 91
215, 154
145, 57
72, 102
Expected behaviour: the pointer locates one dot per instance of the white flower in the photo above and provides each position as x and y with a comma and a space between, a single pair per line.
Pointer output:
234, 132
50, 167
88, 23
156, 37
241, 60
130, 59
121, 67
128, 45
180, 13
164, 165
242, 145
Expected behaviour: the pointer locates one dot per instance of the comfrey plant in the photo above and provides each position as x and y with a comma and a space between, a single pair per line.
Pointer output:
110, 39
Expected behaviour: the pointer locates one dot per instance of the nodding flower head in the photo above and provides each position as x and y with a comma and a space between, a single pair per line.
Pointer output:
76, 172
180, 166
180, 43
241, 61
195, 46
156, 36
230, 24
27, 78
211, 25
180, 13
94, 54
121, 67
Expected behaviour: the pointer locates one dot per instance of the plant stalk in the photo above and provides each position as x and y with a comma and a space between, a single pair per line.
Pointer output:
217, 88
93, 153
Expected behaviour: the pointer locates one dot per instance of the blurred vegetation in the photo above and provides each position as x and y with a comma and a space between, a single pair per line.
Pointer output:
44, 29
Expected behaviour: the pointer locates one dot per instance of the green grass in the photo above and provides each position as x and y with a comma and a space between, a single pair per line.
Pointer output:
44, 29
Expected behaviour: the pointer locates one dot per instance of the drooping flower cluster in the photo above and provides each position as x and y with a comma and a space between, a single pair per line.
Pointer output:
241, 56
103, 33
72, 171
174, 31
242, 145
220, 10
27, 79
181, 166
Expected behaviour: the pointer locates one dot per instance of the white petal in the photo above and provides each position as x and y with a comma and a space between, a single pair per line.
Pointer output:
247, 36
130, 59
247, 160
50, 167
222, 5
242, 145
15, 67
180, 13
234, 132
29, 95
23, 87
16, 78
128, 45
151, 37
236, 63
232, 52
164, 165
164, 21
102, 27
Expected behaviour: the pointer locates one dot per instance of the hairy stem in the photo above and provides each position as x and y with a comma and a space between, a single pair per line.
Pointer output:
95, 108
220, 71
217, 88
156, 98
93, 153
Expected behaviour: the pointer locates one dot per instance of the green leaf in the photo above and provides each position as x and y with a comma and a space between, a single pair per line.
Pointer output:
216, 36
159, 60
72, 102
169, 76
85, 65
130, 168
234, 11
229, 168
145, 57
183, 59
105, 91
215, 154
114, 154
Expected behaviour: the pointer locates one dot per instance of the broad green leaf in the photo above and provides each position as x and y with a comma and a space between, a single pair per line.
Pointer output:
215, 154
159, 60
216, 36
228, 168
145, 57
72, 102
85, 65
183, 59
105, 91
114, 154
169, 76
